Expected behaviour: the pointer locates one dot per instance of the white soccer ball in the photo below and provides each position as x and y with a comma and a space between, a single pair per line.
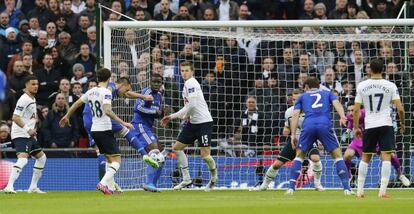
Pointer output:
157, 156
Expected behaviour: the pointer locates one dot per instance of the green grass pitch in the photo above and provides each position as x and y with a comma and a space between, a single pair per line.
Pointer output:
215, 202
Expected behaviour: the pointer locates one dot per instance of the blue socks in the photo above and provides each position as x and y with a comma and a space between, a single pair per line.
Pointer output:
153, 174
134, 142
342, 172
101, 165
158, 174
295, 172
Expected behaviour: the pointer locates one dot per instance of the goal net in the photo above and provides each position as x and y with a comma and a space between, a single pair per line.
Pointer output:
264, 61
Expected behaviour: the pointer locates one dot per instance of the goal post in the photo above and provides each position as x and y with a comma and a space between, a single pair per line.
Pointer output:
264, 59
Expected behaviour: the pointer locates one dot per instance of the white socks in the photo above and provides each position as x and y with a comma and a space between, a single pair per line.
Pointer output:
211, 166
110, 173
317, 170
111, 183
362, 174
385, 176
15, 172
37, 171
183, 164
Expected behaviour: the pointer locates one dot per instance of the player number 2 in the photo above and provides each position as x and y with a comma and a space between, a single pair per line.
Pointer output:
380, 96
316, 104
96, 109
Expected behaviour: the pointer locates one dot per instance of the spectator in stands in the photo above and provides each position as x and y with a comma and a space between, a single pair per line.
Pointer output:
340, 52
358, 66
64, 89
16, 82
60, 64
322, 57
320, 11
142, 78
43, 14
252, 127
113, 17
164, 43
81, 36
123, 68
15, 14
356, 46
79, 75
300, 80
352, 10
380, 9
141, 15
244, 13
10, 46
343, 72
227, 10
393, 74
209, 14
34, 27
41, 45
183, 15
348, 94
330, 82
61, 25
165, 13
70, 17
48, 80
197, 7
4, 23
77, 89
308, 9
92, 39
340, 11
87, 59
51, 34
28, 63
304, 64
26, 48
78, 6
54, 7
89, 10
286, 69
156, 55
5, 139
129, 48
24, 34
66, 48
54, 135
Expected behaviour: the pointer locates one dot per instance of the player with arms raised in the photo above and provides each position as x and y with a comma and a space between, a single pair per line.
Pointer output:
317, 105
23, 135
198, 127
377, 95
100, 98
288, 153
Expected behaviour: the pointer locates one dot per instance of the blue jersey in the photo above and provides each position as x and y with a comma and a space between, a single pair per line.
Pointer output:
317, 106
3, 80
146, 111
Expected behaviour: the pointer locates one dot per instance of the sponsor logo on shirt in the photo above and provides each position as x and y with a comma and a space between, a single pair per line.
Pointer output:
108, 96
19, 108
191, 90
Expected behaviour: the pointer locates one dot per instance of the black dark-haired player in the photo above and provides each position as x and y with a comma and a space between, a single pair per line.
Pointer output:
288, 153
100, 100
23, 135
198, 127
377, 95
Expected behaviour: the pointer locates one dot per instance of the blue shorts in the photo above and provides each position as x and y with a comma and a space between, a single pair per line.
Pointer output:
323, 133
144, 134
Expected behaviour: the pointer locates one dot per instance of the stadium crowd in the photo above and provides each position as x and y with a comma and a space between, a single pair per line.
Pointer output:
246, 82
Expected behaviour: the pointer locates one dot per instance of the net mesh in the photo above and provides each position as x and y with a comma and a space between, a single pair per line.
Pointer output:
232, 64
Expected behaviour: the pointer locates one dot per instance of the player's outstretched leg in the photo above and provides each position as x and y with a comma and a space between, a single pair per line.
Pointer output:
150, 186
14, 175
37, 173
139, 146
397, 166
183, 165
295, 170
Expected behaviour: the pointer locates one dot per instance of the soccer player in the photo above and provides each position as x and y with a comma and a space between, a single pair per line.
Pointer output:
145, 113
100, 98
288, 153
198, 127
317, 105
377, 95
355, 148
23, 135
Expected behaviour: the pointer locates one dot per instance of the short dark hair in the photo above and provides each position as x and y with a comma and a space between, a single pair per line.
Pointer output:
103, 75
312, 82
297, 91
377, 66
123, 80
156, 76
351, 103
29, 78
76, 83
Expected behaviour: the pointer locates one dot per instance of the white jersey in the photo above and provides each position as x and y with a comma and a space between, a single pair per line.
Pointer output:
288, 118
377, 95
26, 109
96, 98
195, 105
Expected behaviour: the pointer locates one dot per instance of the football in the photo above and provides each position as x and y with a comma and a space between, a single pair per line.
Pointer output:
156, 155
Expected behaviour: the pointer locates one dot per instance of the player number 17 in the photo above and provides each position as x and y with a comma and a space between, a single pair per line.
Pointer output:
380, 96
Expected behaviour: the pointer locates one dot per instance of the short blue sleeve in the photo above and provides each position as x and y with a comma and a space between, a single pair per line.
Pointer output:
298, 103
332, 97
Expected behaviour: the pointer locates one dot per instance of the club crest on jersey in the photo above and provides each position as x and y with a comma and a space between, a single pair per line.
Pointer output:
191, 90
19, 108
